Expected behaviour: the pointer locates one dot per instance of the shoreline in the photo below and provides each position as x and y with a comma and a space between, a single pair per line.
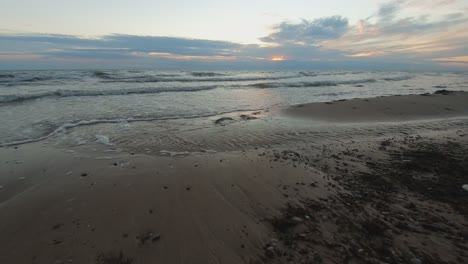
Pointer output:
381, 198
440, 105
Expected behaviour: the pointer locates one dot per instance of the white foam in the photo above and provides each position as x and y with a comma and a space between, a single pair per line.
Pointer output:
101, 139
66, 126
174, 153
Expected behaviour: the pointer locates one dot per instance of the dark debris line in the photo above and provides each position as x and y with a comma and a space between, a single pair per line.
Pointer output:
394, 199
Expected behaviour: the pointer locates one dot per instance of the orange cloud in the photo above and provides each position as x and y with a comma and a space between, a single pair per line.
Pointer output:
459, 59
366, 54
278, 58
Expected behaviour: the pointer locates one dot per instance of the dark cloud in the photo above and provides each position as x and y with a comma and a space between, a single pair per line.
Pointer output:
127, 44
308, 31
421, 24
182, 46
50, 39
388, 11
89, 54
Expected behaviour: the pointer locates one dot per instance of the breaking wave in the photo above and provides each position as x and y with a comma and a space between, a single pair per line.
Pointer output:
70, 93
311, 84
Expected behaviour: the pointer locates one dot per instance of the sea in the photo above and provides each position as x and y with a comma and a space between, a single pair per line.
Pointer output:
144, 108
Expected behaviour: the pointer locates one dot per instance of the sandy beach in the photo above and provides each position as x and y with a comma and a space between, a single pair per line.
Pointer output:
392, 195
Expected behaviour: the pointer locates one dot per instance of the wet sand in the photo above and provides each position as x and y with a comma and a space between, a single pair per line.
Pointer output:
379, 199
442, 104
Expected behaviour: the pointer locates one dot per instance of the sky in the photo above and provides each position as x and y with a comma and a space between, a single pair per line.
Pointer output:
209, 34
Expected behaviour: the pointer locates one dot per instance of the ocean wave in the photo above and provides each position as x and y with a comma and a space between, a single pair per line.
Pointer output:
4, 76
125, 76
206, 74
103, 75
70, 93
398, 78
302, 73
37, 79
311, 84
152, 79
10, 98
315, 73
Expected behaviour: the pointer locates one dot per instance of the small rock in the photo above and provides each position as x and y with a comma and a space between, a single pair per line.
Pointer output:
465, 187
84, 174
274, 242
443, 92
156, 237
415, 261
57, 226
223, 120
270, 252
297, 219
247, 117
150, 236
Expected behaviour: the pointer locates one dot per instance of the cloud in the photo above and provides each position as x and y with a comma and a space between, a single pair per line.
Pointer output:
398, 33
459, 59
405, 33
308, 31
127, 43
388, 11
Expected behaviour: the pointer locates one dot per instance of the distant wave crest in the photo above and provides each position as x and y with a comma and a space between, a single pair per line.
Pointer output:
152, 79
398, 78
38, 79
206, 74
103, 75
2, 76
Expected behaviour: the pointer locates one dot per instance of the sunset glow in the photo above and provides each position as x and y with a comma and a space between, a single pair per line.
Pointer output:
278, 58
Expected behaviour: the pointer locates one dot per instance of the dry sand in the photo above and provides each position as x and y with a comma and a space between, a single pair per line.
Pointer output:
381, 199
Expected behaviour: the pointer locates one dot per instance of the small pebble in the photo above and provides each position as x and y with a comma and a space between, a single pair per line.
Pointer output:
297, 219
465, 187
